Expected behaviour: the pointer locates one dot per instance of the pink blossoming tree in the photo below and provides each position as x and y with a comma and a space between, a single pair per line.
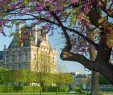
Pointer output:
77, 19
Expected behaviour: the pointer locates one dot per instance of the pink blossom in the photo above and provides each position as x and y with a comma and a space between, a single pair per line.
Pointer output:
74, 1
58, 9
1, 23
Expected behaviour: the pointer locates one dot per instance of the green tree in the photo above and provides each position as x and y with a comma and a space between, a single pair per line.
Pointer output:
61, 78
42, 70
17, 76
3, 76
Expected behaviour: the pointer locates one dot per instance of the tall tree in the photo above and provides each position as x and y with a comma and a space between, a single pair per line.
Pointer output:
3, 75
69, 16
61, 78
17, 76
42, 70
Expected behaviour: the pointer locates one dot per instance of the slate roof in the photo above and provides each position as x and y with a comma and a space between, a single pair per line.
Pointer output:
12, 43
40, 37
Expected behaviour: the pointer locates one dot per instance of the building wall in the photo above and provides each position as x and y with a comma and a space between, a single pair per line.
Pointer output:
27, 57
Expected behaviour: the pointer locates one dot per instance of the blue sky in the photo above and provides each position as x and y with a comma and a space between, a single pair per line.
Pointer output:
57, 43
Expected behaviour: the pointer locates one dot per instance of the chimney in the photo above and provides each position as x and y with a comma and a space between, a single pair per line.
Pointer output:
35, 30
46, 36
5, 46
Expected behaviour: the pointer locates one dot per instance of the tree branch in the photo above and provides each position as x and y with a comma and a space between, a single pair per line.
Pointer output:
66, 55
60, 25
103, 8
97, 20
85, 38
68, 43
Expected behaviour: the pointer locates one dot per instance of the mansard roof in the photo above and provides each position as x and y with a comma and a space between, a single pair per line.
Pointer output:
40, 37
11, 45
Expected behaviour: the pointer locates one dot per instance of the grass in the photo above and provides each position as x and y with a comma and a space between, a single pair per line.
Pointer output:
48, 93
53, 93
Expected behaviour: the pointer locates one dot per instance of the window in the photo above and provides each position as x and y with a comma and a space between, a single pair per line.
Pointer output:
13, 59
53, 59
26, 56
34, 56
7, 57
20, 55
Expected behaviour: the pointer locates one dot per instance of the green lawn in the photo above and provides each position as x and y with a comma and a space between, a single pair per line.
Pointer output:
38, 94
51, 93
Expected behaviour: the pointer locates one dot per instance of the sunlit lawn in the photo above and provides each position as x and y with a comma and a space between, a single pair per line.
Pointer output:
39, 94
52, 93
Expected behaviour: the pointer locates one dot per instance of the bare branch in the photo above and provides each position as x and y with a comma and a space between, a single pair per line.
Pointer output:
65, 55
60, 25
85, 38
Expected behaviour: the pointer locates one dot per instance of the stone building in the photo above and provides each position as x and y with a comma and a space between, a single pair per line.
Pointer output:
79, 79
29, 50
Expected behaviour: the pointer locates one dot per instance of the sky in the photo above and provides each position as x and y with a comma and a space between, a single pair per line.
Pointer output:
56, 43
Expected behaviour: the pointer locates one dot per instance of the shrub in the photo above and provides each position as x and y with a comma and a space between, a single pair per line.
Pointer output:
63, 89
106, 89
76, 88
6, 88
51, 89
18, 88
30, 89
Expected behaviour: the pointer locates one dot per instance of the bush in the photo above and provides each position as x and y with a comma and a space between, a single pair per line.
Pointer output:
18, 88
23, 89
76, 88
106, 89
31, 89
51, 89
6, 88
63, 89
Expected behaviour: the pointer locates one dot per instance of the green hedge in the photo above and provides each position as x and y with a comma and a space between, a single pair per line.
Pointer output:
31, 89
6, 89
51, 89
23, 89
76, 88
106, 89
61, 89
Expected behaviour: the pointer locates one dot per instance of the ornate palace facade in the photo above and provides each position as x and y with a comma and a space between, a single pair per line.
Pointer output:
31, 53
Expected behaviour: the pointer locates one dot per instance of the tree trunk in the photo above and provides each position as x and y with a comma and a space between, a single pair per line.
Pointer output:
94, 83
57, 90
94, 78
40, 90
102, 62
107, 71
